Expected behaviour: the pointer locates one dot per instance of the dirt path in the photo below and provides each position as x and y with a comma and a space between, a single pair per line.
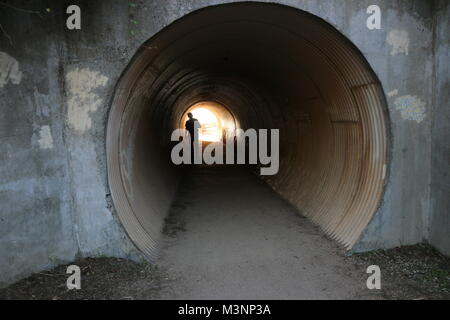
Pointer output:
229, 236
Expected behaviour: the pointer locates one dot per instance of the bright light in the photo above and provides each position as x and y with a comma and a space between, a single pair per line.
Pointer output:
211, 129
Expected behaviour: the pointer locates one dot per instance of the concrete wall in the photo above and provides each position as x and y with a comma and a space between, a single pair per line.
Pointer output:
440, 133
55, 91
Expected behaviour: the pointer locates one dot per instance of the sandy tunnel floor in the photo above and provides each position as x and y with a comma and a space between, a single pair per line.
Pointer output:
229, 236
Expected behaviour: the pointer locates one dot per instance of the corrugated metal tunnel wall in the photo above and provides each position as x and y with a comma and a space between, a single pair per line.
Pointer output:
273, 67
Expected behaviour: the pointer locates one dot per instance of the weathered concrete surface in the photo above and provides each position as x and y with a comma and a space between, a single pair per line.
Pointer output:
440, 134
229, 236
404, 214
53, 186
36, 226
53, 190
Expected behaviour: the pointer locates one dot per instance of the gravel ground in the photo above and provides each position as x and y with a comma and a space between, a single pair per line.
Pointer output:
102, 279
410, 272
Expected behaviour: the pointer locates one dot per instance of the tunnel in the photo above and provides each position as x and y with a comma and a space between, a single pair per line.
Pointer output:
270, 67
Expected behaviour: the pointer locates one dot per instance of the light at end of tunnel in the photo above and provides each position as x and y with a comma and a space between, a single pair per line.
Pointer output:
211, 125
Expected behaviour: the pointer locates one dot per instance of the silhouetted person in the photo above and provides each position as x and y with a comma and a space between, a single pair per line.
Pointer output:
192, 126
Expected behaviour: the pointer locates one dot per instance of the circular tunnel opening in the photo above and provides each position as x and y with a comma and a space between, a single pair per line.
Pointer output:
261, 66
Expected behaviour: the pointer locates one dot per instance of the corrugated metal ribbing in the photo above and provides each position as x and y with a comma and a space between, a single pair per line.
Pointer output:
274, 67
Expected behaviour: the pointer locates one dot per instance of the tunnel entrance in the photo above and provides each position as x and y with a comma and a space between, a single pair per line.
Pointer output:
273, 67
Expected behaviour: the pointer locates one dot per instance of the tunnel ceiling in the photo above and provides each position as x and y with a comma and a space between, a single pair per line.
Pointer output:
273, 67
